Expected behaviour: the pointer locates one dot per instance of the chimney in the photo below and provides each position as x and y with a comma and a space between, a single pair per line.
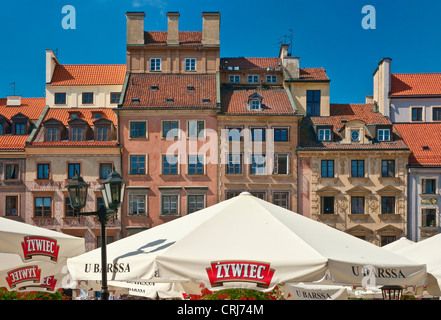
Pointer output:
13, 101
51, 63
173, 28
135, 27
291, 66
382, 86
210, 28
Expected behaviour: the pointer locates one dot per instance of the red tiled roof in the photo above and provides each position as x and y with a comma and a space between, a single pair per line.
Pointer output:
251, 63
186, 38
30, 107
313, 74
417, 135
170, 86
348, 112
274, 102
88, 74
87, 143
415, 84
63, 114
13, 142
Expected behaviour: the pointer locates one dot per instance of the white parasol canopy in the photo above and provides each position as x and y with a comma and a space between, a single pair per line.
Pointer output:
34, 258
399, 244
246, 242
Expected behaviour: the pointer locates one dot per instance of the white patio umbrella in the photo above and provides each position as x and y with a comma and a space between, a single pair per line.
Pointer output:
245, 242
399, 244
427, 251
34, 258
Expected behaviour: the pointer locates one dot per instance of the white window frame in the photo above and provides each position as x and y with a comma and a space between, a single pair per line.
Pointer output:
138, 193
191, 64
255, 105
192, 128
381, 134
324, 134
276, 164
155, 67
253, 78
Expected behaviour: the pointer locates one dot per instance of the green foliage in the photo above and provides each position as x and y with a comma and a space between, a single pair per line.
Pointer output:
31, 295
238, 294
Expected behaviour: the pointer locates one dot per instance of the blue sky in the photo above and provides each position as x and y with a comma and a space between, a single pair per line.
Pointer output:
326, 34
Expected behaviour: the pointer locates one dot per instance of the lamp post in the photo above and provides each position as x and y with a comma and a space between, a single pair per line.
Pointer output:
112, 190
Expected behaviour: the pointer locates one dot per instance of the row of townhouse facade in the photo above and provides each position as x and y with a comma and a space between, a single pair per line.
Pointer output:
188, 129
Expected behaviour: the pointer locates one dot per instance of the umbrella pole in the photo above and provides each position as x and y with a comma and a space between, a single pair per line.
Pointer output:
102, 215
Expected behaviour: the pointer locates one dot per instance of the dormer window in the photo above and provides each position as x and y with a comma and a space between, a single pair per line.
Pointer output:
255, 105
383, 134
355, 135
20, 128
255, 102
77, 134
74, 115
324, 134
19, 124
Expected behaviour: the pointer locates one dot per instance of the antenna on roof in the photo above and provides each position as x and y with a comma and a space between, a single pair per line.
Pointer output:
13, 86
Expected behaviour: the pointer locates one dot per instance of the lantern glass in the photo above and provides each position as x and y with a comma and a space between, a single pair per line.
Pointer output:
77, 189
113, 191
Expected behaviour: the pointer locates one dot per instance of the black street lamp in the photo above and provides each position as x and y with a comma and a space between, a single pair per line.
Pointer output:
112, 191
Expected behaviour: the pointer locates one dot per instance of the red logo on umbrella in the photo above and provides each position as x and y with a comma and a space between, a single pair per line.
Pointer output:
42, 246
240, 271
31, 273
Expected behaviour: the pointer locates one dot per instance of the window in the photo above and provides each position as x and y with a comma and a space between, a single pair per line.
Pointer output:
138, 129
137, 164
259, 194
190, 64
1, 128
69, 212
357, 168
77, 134
253, 78
257, 164
428, 218
324, 134
255, 105
20, 128
102, 134
234, 79
195, 164
73, 169
170, 129
196, 128
387, 205
281, 134
257, 134
169, 164
195, 203
436, 114
313, 102
234, 134
388, 168
281, 163
11, 206
417, 114
42, 207
105, 169
429, 186
234, 165
60, 97
355, 135
52, 134
232, 194
383, 134
11, 171
137, 204
169, 204
281, 199
327, 205
357, 205
155, 64
43, 171
114, 97
87, 97
327, 168
387, 239
271, 79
